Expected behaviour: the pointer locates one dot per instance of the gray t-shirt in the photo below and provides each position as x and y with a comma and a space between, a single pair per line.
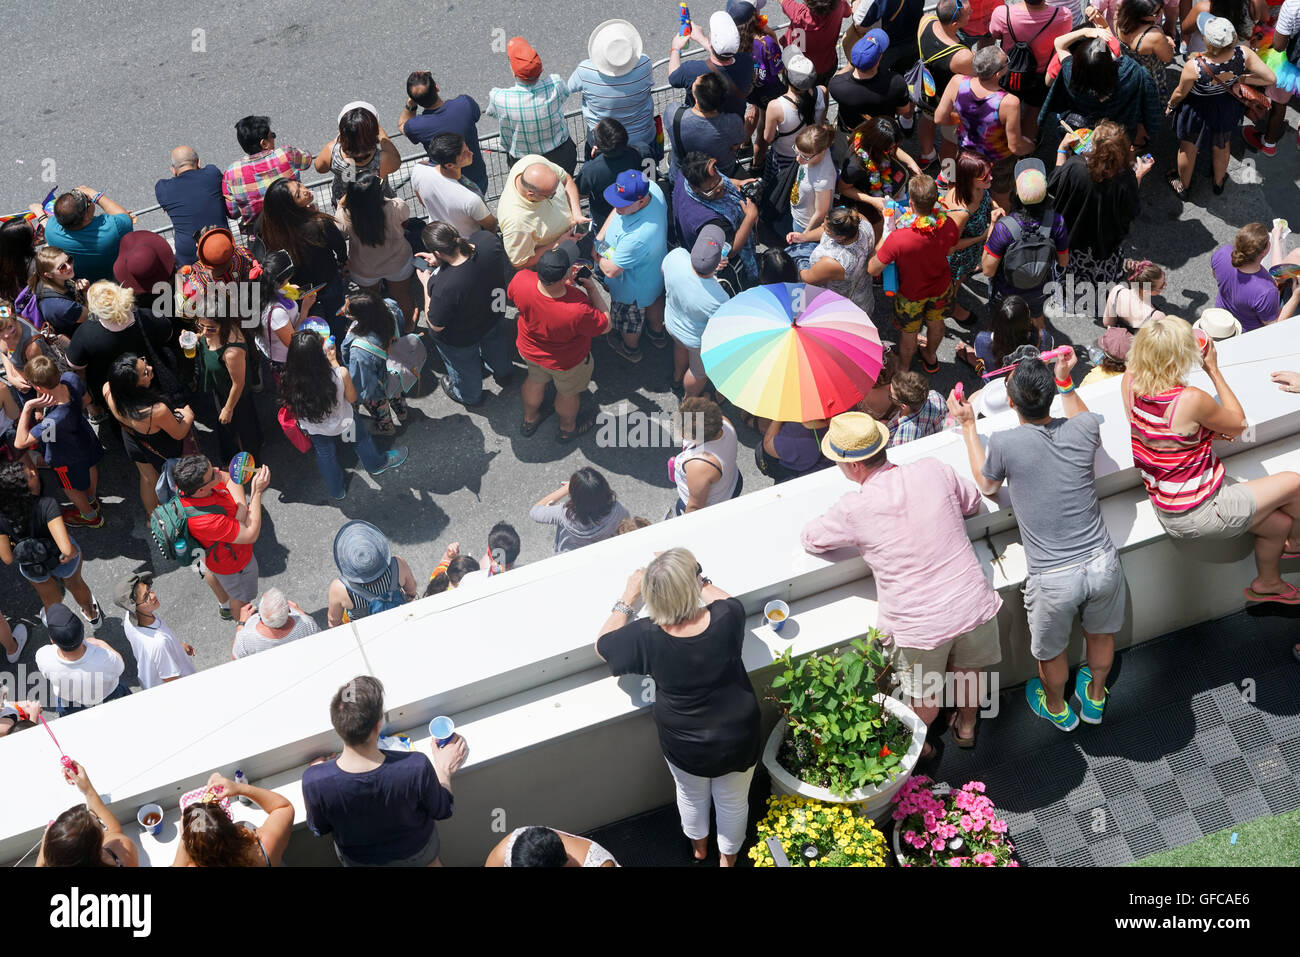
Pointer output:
716, 136
1052, 480
249, 641
569, 534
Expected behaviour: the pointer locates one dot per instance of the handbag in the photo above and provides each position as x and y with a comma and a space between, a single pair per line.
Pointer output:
1256, 103
296, 436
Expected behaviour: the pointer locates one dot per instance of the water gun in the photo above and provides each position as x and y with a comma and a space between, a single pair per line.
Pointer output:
1048, 356
893, 210
684, 21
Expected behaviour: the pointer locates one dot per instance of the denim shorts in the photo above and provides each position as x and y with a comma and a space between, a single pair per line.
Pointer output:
1092, 588
63, 572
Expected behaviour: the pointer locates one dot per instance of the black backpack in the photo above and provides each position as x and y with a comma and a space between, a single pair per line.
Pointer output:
1027, 263
1022, 67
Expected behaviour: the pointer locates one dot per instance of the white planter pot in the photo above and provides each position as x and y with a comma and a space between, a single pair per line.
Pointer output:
874, 802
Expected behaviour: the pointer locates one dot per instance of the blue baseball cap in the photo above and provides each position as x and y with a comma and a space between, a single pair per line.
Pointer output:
867, 52
630, 186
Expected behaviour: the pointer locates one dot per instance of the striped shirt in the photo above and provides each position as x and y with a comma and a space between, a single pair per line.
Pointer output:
245, 182
624, 98
1179, 471
531, 115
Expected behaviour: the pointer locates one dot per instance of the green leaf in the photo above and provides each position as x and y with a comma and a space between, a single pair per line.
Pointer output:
780, 681
854, 673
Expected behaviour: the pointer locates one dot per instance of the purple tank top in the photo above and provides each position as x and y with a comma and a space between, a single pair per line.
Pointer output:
981, 130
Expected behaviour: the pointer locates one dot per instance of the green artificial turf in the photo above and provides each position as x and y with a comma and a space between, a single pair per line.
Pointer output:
1272, 841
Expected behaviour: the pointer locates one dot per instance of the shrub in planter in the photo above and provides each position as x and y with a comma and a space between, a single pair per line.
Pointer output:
935, 826
816, 834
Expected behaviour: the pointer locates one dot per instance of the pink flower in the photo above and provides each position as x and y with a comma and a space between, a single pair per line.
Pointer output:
975, 786
985, 859
966, 822
956, 861
998, 827
930, 821
937, 846
1013, 863
917, 840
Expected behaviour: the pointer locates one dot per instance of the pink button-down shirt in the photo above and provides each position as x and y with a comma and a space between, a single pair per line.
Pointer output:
908, 522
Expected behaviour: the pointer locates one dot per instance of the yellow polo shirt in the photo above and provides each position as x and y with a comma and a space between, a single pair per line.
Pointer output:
525, 225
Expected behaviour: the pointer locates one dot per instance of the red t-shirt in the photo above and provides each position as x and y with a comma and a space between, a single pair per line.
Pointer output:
820, 37
215, 533
922, 259
554, 333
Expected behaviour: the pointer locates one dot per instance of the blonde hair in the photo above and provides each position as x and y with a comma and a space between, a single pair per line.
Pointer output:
110, 303
1164, 352
670, 586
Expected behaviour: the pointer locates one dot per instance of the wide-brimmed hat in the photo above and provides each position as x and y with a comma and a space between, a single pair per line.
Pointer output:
143, 260
992, 399
854, 437
614, 47
361, 553
1218, 323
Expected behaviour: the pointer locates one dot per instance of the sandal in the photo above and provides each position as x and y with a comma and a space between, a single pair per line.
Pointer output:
928, 368
1289, 597
957, 739
582, 427
969, 358
528, 429
1176, 183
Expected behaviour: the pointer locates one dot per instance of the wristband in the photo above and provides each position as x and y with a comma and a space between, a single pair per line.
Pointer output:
1061, 384
98, 196
623, 608
1064, 390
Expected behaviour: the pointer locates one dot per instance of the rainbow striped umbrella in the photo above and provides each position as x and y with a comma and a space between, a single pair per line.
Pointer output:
792, 352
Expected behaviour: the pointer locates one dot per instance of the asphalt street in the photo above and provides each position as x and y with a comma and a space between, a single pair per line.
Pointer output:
136, 89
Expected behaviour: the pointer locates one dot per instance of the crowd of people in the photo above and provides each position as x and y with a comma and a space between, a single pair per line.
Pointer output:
774, 165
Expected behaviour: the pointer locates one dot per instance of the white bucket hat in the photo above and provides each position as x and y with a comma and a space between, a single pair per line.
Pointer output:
614, 47
1218, 323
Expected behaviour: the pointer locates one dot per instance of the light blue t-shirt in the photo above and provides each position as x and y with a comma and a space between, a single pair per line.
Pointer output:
689, 301
93, 247
637, 244
624, 98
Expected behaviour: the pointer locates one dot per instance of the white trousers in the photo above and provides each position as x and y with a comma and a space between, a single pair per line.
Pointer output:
729, 794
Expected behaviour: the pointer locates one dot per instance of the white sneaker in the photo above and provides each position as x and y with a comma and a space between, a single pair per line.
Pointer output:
20, 636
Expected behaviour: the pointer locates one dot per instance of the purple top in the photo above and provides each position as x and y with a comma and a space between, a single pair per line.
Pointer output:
797, 447
1252, 298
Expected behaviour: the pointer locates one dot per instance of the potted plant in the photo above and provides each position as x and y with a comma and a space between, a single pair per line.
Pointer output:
935, 826
816, 834
840, 740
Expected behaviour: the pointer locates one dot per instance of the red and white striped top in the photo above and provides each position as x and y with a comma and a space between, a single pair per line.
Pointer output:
1179, 471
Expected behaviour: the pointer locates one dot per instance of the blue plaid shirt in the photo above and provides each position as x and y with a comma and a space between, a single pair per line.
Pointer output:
531, 115
927, 421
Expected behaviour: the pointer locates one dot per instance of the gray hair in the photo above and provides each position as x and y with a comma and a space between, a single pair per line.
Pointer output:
989, 62
670, 586
273, 608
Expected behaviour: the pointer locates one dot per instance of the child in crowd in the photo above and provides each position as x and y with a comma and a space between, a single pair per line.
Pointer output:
53, 421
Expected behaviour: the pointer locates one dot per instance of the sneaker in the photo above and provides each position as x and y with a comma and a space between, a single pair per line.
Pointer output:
620, 348
445, 382
72, 516
657, 339
1090, 711
20, 636
1037, 698
95, 620
225, 613
392, 459
1255, 140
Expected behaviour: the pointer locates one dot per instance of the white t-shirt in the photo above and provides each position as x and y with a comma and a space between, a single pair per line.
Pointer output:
86, 681
1288, 19
280, 317
158, 653
337, 422
448, 200
814, 178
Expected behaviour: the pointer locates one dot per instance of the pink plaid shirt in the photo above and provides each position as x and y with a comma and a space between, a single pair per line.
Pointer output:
245, 182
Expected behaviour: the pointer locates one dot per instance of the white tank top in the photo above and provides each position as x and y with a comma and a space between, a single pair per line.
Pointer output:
724, 449
783, 145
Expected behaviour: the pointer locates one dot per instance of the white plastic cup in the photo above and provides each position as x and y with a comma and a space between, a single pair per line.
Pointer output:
442, 728
777, 613
1202, 340
147, 811
189, 343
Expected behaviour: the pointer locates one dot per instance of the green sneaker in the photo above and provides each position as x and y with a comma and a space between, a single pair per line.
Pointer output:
1089, 710
1037, 698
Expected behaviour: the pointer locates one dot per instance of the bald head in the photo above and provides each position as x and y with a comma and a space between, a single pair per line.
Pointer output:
184, 157
538, 182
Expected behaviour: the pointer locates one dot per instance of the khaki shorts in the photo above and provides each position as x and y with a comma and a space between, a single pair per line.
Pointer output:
567, 381
240, 585
1227, 515
920, 669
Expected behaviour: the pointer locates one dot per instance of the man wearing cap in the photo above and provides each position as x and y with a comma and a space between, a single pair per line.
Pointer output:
371, 578
900, 20
91, 240
246, 180
692, 295
191, 197
909, 524
734, 68
539, 208
83, 672
615, 81
613, 155
458, 115
559, 314
1113, 345
1032, 213
531, 113
159, 655
866, 88
1074, 569
630, 248
146, 265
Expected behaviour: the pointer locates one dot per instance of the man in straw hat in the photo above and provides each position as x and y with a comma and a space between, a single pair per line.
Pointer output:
531, 113
908, 523
615, 81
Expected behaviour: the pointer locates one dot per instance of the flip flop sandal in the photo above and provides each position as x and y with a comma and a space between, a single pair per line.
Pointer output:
582, 427
1289, 597
929, 369
964, 743
1176, 183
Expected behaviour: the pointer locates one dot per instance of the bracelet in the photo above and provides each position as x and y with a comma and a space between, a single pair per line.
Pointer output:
98, 196
623, 608
1063, 152
1064, 390
440, 568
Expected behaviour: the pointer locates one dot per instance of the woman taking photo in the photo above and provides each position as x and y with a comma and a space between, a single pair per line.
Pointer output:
152, 431
970, 191
291, 221
1172, 426
209, 838
839, 261
60, 296
705, 709
223, 376
591, 514
87, 835
282, 311
360, 147
377, 247
320, 394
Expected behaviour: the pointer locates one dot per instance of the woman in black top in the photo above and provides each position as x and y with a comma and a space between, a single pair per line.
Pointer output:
945, 56
704, 704
291, 221
152, 431
17, 252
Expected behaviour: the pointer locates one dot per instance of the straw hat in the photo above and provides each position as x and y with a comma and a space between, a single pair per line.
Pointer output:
614, 47
854, 437
1218, 323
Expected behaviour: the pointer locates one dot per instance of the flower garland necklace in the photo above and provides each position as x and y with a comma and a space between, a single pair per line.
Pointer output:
922, 224
876, 175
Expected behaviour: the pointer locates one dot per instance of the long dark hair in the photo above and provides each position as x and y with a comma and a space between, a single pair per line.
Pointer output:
74, 839
1133, 13
1095, 69
16, 498
1011, 328
277, 269
212, 839
439, 237
288, 226
365, 206
372, 317
1236, 12
17, 250
879, 136
307, 387
805, 104
358, 132
590, 497
132, 399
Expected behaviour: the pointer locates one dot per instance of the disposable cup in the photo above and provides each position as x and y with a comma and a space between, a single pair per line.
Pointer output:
189, 343
1202, 340
777, 614
153, 812
442, 728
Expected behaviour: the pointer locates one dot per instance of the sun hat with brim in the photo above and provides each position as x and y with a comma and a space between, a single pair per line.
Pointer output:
361, 553
992, 399
357, 105
143, 261
854, 437
1218, 323
614, 48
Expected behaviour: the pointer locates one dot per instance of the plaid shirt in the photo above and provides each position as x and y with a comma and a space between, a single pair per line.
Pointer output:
245, 182
531, 116
927, 421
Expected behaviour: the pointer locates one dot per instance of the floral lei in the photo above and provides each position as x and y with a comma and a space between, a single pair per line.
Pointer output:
876, 176
922, 224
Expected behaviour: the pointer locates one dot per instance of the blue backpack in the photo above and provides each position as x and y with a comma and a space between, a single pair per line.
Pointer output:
378, 602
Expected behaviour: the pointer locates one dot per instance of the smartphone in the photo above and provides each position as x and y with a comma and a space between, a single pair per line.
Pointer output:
726, 250
420, 265
583, 273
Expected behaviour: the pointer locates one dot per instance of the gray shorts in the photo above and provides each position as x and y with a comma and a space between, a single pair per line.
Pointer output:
1093, 588
421, 858
241, 585
1227, 515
